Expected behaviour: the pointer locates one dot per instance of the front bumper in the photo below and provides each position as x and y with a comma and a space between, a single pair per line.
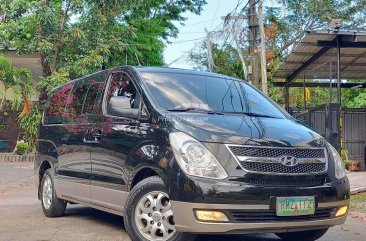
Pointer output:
185, 220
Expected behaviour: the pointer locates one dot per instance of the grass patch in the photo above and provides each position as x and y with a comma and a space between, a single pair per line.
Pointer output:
358, 202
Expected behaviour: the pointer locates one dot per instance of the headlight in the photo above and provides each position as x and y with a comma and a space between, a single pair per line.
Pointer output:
340, 170
194, 158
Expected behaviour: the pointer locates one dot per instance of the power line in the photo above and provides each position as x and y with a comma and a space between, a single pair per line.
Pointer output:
217, 8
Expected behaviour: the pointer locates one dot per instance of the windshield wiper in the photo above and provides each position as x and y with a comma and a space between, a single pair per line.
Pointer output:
251, 114
195, 109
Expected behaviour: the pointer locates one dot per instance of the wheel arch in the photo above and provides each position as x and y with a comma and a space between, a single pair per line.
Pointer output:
144, 173
45, 165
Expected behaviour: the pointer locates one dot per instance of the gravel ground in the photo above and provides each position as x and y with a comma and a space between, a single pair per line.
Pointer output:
21, 217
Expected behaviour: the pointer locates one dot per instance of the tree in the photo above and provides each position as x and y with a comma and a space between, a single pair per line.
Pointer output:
293, 17
226, 60
76, 37
354, 98
285, 25
19, 79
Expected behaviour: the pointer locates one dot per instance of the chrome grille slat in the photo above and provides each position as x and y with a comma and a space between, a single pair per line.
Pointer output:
277, 152
279, 168
266, 160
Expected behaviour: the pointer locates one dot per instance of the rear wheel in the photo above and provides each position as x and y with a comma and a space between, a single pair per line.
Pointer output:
148, 214
52, 205
309, 235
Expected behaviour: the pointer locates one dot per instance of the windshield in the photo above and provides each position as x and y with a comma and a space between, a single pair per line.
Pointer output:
176, 91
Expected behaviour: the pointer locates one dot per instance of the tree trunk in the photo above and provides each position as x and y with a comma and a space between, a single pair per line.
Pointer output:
46, 67
60, 34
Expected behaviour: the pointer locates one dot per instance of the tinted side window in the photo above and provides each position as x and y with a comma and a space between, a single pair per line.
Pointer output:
121, 85
93, 99
55, 110
84, 98
75, 103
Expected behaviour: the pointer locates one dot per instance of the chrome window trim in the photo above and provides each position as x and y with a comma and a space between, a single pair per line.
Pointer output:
275, 160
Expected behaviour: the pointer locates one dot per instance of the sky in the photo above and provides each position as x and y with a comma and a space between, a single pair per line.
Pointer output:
193, 32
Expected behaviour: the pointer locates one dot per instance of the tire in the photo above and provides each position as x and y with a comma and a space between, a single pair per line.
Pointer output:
140, 218
52, 205
310, 235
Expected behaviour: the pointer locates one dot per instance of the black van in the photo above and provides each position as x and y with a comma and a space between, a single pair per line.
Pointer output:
181, 152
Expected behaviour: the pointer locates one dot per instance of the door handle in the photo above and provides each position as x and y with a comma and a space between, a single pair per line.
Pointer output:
96, 135
92, 136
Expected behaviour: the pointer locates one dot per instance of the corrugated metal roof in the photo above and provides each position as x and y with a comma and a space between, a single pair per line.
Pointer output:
353, 59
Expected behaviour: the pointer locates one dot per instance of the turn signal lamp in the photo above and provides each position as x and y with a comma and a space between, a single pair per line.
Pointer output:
341, 211
211, 216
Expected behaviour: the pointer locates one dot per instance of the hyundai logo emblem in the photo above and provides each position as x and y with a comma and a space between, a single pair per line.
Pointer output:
288, 161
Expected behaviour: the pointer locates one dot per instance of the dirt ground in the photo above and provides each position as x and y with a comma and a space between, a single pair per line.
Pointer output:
21, 217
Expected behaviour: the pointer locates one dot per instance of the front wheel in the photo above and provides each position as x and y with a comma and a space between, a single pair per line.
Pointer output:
309, 235
148, 214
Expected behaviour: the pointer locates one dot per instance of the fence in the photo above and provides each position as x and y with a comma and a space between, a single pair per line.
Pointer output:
323, 119
9, 157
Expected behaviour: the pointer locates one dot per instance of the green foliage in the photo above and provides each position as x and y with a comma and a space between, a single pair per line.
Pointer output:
77, 37
354, 98
20, 79
22, 148
226, 60
295, 17
30, 123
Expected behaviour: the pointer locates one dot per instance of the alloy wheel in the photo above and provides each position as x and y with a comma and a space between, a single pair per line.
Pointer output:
154, 216
47, 192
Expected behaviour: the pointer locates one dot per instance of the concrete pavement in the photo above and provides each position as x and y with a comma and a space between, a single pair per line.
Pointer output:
22, 219
357, 181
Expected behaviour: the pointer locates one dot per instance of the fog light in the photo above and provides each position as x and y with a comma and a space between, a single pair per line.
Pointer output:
341, 211
215, 216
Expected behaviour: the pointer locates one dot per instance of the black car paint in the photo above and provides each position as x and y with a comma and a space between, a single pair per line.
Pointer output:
129, 148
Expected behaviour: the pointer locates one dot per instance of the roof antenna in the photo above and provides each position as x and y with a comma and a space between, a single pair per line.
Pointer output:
138, 61
335, 25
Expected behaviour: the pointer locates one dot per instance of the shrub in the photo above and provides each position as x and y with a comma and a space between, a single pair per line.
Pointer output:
22, 148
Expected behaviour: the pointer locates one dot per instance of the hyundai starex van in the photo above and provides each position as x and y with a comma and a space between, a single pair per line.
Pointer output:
179, 153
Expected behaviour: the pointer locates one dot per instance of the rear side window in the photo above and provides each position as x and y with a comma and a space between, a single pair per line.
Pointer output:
75, 102
74, 105
83, 100
55, 110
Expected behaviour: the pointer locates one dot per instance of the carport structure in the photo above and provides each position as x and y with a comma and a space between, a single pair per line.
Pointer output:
332, 59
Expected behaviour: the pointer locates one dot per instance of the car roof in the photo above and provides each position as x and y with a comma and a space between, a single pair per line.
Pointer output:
141, 69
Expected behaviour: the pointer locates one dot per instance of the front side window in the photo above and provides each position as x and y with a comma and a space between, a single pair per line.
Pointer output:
174, 91
121, 85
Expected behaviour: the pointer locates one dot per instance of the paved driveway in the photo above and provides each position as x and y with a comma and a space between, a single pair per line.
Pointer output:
21, 217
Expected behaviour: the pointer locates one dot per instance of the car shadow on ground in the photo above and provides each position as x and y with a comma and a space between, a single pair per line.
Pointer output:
115, 221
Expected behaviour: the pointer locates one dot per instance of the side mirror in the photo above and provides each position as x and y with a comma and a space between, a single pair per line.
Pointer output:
121, 106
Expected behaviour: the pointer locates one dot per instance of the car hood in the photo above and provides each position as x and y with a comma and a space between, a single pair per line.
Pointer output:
245, 130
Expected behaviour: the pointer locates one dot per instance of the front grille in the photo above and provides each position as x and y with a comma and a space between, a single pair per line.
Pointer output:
277, 152
279, 168
286, 183
258, 216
